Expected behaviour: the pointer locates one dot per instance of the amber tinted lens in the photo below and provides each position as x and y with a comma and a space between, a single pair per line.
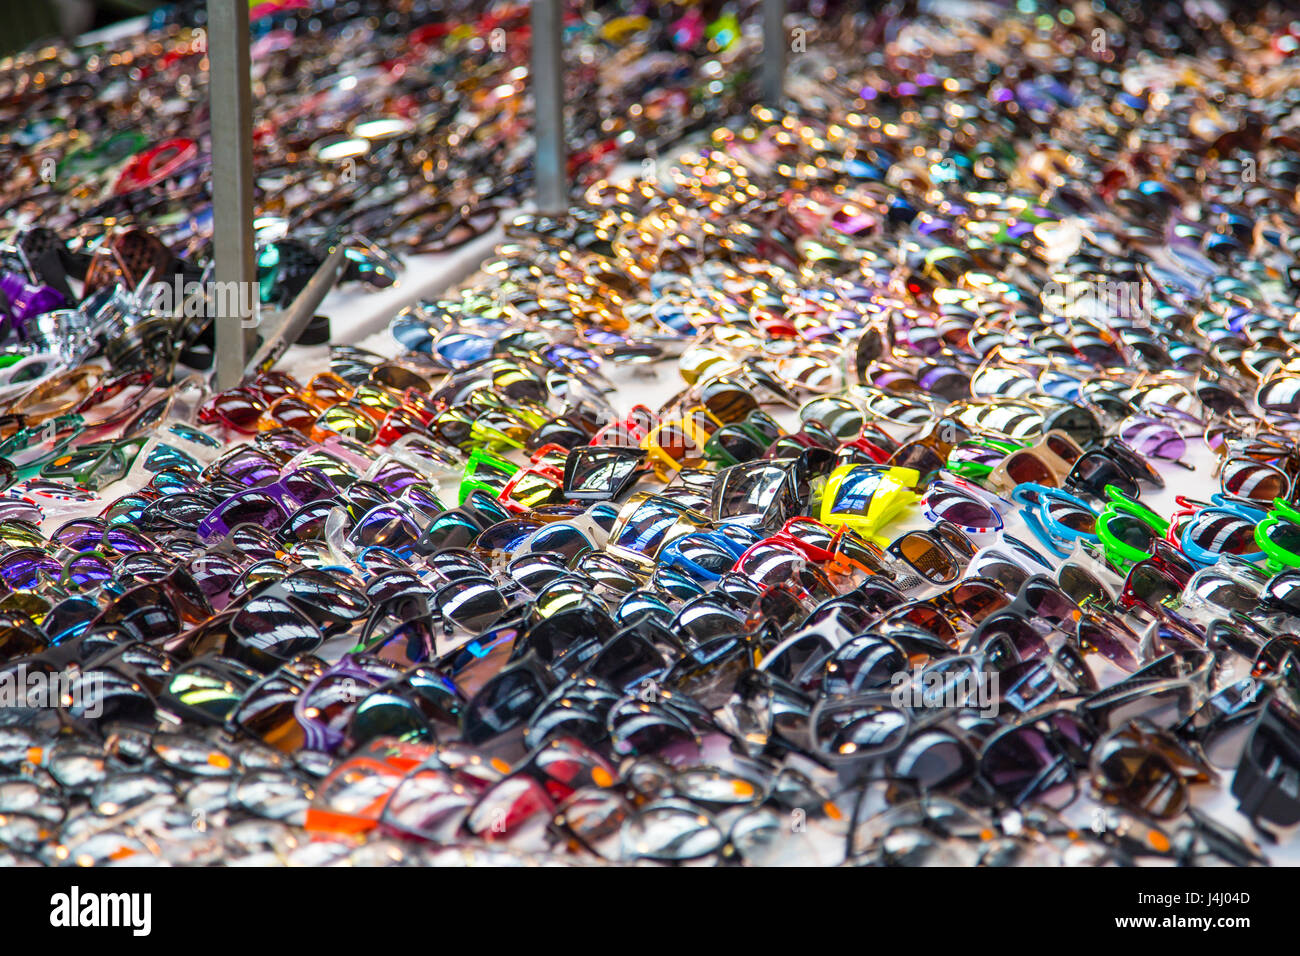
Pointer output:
290, 412
977, 600
928, 557
1062, 449
1254, 481
1141, 778
672, 439
275, 385
1024, 466
398, 377
727, 402
928, 619
267, 713
327, 389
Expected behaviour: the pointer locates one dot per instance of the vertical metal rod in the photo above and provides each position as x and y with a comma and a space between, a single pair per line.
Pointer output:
231, 106
775, 44
547, 81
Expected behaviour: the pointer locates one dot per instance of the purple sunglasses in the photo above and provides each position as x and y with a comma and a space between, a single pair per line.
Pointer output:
267, 506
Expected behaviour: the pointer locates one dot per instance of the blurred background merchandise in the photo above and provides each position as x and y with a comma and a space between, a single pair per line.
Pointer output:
23, 22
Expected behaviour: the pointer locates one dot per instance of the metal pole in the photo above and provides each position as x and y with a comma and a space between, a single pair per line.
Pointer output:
548, 107
775, 44
231, 106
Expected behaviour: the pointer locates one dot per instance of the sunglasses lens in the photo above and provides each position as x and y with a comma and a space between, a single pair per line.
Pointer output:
1139, 777
308, 486
473, 603
349, 422
1008, 575
1150, 586
841, 418
772, 566
564, 540
672, 439
534, 489
955, 505
1073, 517
1133, 532
1221, 591
324, 598
1024, 764
1081, 585
291, 412
864, 663
727, 402
247, 466
1280, 395
1010, 640
1284, 535
1078, 423
239, 409
739, 446
1153, 439
1099, 635
18, 636
1025, 467
978, 600
929, 558
88, 569
594, 473
859, 730
575, 627
257, 509
708, 554
387, 526
1062, 449
209, 690
275, 628
1221, 533
19, 509
1255, 482
919, 456
1093, 472
927, 619
328, 389
382, 714
876, 597
505, 536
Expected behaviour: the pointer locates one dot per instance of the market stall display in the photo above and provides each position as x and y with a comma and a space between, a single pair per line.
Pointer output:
903, 473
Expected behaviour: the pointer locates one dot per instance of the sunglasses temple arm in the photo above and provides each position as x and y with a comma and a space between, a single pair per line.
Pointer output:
298, 315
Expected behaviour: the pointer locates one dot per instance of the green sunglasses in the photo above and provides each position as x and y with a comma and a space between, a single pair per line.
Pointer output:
97, 465
1126, 529
1278, 536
